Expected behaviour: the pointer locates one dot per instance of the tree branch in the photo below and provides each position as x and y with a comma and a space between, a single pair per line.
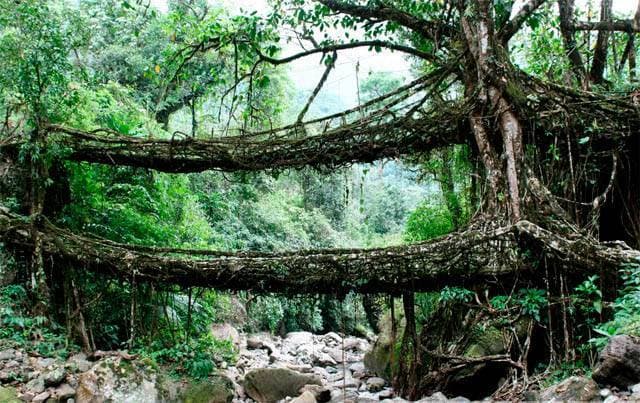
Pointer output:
343, 46
615, 25
330, 65
429, 29
513, 25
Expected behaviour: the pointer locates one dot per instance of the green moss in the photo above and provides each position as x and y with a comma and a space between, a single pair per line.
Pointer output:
8, 395
487, 342
515, 92
218, 390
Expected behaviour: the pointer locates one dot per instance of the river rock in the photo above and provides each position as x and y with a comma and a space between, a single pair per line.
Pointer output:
320, 393
7, 355
377, 360
575, 388
375, 384
42, 397
619, 362
63, 392
267, 385
217, 390
306, 397
112, 380
297, 339
237, 314
385, 394
54, 377
11, 364
78, 362
44, 363
436, 397
224, 331
322, 359
612, 399
260, 341
332, 338
36, 385
355, 344
342, 396
321, 372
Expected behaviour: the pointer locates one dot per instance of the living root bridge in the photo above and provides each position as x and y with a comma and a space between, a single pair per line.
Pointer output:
464, 258
344, 145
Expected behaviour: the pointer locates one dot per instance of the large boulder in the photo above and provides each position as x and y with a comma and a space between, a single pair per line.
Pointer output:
224, 331
619, 362
117, 380
268, 385
575, 388
378, 359
218, 390
479, 380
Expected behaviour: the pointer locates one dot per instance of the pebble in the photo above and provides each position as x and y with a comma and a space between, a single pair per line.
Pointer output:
604, 393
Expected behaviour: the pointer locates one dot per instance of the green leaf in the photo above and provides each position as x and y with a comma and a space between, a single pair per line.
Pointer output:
597, 305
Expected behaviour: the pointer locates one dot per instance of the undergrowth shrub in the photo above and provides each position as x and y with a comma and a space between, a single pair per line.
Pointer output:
21, 329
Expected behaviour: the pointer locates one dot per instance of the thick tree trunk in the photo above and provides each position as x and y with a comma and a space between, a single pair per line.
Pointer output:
505, 137
38, 178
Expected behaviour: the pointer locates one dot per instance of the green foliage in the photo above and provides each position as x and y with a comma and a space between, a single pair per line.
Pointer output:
626, 316
453, 295
266, 313
500, 302
196, 358
428, 222
19, 327
529, 301
344, 316
34, 45
532, 301
134, 206
426, 306
279, 314
377, 84
588, 298
563, 371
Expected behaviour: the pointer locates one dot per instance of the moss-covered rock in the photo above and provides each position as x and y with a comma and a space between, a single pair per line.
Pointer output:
573, 389
490, 341
267, 385
115, 379
217, 390
378, 359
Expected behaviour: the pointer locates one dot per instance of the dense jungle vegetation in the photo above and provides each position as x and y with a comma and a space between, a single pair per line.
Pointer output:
525, 129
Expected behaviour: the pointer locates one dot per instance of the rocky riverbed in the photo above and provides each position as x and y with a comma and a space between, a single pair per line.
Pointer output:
333, 363
298, 368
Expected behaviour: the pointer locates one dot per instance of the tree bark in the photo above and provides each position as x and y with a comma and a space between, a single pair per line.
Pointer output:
602, 45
